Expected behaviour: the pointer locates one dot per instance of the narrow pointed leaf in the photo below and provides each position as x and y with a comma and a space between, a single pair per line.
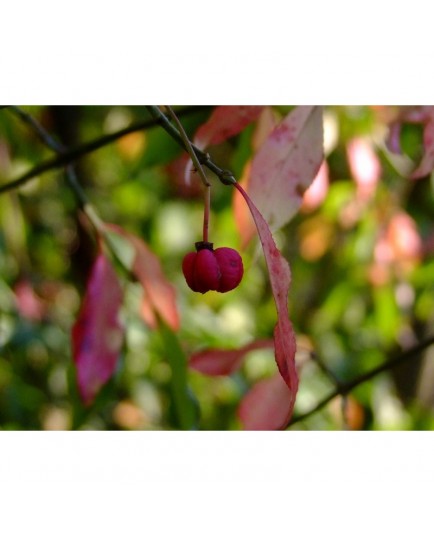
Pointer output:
286, 164
97, 333
280, 279
184, 409
218, 362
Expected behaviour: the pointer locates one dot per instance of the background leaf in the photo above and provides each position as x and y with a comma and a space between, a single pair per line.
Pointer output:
225, 122
97, 333
267, 406
184, 406
160, 295
217, 362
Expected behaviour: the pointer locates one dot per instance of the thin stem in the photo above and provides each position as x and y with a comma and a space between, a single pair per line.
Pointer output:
206, 212
71, 177
83, 201
344, 410
207, 195
188, 146
329, 373
345, 388
58, 148
68, 156
43, 134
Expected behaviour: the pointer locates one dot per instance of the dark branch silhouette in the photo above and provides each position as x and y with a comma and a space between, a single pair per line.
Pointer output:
63, 158
343, 388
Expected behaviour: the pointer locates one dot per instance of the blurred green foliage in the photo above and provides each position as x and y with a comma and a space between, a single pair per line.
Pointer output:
348, 305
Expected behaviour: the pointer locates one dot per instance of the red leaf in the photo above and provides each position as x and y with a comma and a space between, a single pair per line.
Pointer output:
267, 406
97, 333
225, 122
160, 296
285, 166
215, 362
280, 279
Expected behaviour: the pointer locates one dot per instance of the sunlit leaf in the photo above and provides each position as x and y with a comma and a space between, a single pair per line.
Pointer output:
97, 334
284, 167
280, 279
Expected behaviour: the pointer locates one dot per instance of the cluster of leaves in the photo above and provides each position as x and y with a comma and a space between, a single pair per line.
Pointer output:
146, 352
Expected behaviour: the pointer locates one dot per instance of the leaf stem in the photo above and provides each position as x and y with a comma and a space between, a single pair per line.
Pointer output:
206, 212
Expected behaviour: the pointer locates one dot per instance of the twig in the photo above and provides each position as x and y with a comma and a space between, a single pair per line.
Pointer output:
336, 381
189, 147
225, 176
71, 177
45, 137
346, 387
329, 373
69, 156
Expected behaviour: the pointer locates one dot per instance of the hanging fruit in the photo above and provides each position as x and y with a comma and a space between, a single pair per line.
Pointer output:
207, 269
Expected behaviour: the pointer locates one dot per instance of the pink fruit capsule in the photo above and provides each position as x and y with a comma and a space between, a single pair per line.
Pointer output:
209, 269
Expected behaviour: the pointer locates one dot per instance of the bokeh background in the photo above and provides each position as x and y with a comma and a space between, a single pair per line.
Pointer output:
361, 253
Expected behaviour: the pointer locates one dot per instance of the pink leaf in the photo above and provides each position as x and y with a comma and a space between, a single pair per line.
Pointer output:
97, 333
364, 165
225, 122
286, 165
29, 304
280, 279
160, 296
245, 224
416, 115
267, 406
215, 362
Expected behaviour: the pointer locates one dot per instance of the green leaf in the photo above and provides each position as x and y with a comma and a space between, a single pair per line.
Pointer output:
185, 408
